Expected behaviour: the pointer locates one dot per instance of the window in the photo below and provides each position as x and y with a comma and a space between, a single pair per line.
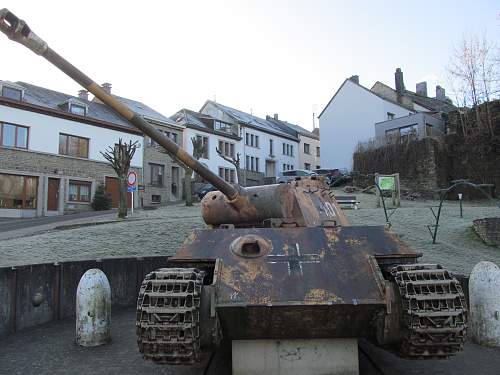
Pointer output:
251, 140
78, 109
307, 166
13, 135
227, 174
271, 147
256, 164
226, 148
79, 191
175, 138
222, 126
18, 192
155, 198
284, 167
252, 163
12, 93
390, 116
73, 146
157, 173
247, 163
204, 145
318, 166
306, 148
317, 151
287, 149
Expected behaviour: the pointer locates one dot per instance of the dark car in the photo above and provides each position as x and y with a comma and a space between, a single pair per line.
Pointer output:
204, 190
330, 174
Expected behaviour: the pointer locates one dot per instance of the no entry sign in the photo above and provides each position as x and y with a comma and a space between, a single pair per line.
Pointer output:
131, 178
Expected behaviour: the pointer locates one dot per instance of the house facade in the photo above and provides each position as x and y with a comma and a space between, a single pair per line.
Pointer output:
215, 134
351, 114
50, 151
50, 144
267, 148
309, 144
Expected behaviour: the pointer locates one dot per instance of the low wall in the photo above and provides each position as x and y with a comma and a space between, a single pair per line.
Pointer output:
57, 284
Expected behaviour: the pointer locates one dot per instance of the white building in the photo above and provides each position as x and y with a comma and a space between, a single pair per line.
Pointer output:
215, 134
50, 149
351, 114
309, 145
267, 148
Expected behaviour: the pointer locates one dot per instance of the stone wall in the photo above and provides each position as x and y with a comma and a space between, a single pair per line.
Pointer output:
417, 162
470, 150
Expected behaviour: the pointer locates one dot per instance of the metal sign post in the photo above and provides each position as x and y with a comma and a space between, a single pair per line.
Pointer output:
131, 180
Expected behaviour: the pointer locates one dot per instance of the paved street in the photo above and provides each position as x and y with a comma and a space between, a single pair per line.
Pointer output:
10, 224
50, 349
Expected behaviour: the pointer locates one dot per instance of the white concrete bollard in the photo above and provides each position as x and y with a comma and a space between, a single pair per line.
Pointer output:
484, 296
93, 309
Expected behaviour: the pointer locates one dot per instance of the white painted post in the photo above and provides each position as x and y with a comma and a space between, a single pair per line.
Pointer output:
132, 192
93, 309
484, 296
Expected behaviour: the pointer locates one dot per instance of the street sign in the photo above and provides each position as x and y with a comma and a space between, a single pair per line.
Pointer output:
131, 178
131, 188
141, 187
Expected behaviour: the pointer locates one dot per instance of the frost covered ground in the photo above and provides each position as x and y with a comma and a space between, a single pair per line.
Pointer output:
162, 231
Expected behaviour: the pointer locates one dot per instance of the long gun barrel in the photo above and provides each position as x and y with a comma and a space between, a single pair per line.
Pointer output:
18, 31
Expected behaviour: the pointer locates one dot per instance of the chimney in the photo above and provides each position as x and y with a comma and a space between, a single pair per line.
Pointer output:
421, 89
354, 79
106, 87
400, 85
275, 116
440, 93
83, 94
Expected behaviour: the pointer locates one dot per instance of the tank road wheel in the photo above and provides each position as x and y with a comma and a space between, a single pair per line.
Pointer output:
434, 311
168, 316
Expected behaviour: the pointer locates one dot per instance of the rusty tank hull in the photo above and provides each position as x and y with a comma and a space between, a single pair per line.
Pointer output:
280, 261
313, 282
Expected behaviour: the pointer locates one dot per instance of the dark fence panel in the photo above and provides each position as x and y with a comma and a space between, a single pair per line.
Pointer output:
36, 294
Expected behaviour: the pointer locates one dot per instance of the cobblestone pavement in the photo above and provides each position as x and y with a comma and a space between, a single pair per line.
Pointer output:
162, 231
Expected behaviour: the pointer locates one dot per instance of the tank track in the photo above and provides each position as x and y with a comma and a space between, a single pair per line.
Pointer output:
168, 316
434, 311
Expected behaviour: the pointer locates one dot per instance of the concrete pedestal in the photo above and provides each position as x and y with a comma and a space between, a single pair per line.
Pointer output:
290, 357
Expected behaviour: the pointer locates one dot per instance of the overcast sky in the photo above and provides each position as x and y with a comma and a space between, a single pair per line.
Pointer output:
286, 57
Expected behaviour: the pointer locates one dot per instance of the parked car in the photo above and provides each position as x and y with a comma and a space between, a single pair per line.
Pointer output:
204, 190
290, 175
330, 174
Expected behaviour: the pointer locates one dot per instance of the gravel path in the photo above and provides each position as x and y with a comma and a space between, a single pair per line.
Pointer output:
161, 232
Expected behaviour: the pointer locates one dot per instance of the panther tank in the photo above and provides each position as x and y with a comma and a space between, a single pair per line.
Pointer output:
280, 262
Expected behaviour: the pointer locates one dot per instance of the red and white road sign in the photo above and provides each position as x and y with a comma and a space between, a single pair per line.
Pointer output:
131, 178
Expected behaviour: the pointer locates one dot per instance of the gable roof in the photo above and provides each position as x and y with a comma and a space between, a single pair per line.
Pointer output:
296, 128
368, 90
196, 120
96, 112
432, 103
254, 121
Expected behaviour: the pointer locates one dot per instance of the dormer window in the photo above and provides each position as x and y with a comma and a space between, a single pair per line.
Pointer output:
11, 90
77, 109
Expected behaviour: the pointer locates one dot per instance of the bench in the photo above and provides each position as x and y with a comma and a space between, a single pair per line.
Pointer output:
347, 200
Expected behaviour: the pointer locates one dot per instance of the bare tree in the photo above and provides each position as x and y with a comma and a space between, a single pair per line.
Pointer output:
199, 149
234, 161
120, 157
475, 73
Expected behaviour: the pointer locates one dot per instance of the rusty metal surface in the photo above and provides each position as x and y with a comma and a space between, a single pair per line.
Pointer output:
305, 202
311, 266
